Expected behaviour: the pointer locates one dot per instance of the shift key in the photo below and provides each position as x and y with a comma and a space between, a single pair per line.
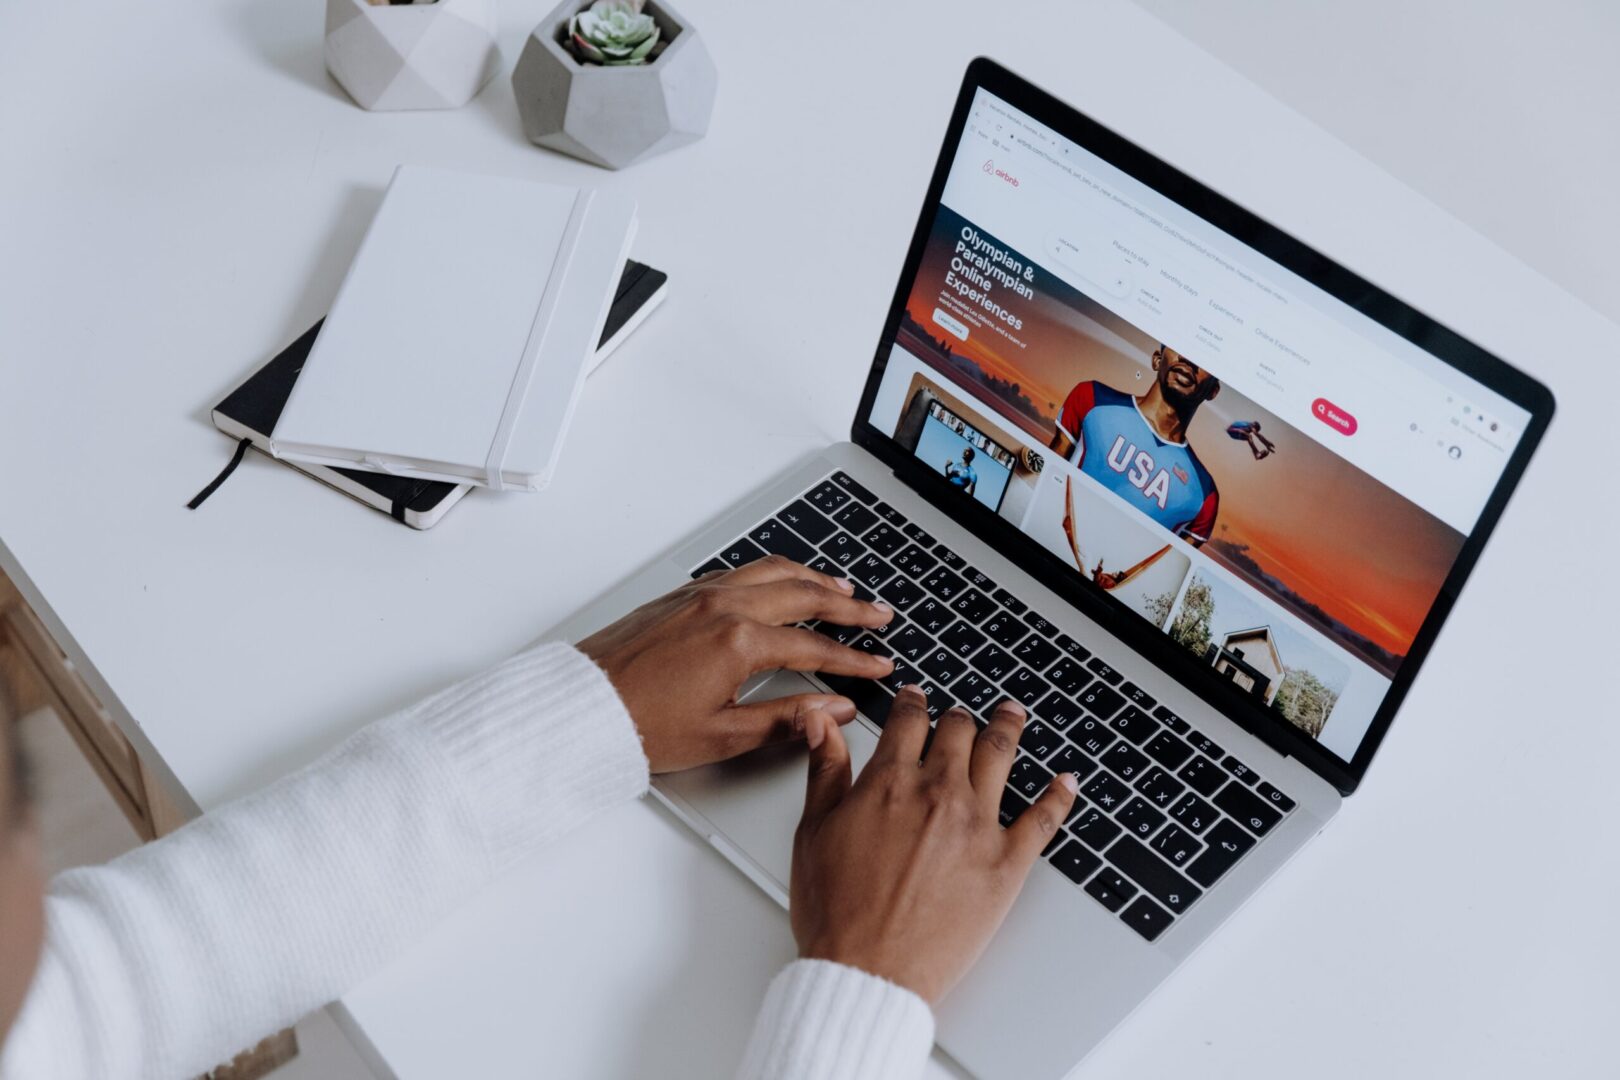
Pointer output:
1155, 876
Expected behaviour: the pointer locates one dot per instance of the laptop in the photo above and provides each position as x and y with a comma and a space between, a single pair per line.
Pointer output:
1197, 496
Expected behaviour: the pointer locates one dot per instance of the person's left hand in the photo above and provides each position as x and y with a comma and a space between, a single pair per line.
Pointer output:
679, 661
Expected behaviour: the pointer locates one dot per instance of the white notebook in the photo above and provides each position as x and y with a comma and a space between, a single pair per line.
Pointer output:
457, 345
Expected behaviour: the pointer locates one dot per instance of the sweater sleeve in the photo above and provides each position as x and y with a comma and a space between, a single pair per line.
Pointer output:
180, 954
826, 1021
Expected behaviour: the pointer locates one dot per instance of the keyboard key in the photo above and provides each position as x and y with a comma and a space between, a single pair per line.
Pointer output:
1247, 808
1011, 807
1068, 676
844, 635
1103, 671
938, 699
1093, 828
1010, 602
1171, 720
806, 521
711, 565
993, 664
1239, 770
1039, 625
1101, 700
1075, 861
1108, 793
890, 514
870, 571
843, 549
849, 484
884, 539
778, 539
1037, 652
1137, 696
856, 518
1274, 797
1227, 844
1176, 844
901, 593
911, 643
1159, 787
1057, 710
918, 533
827, 497
944, 583
1028, 778
869, 696
932, 616
976, 693
1168, 750
1202, 775
1111, 888
979, 580
1004, 630
893, 626
1193, 813
1134, 724
742, 552
1146, 918
1139, 817
823, 565
1205, 745
1073, 647
1125, 760
950, 558
1070, 760
915, 561
974, 606
1092, 735
1025, 687
1039, 740
902, 675
962, 640
942, 665
1153, 874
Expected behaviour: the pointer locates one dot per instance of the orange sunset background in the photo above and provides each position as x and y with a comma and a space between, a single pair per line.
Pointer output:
1347, 554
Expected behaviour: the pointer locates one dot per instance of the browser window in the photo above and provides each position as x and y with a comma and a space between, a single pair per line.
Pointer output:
1278, 483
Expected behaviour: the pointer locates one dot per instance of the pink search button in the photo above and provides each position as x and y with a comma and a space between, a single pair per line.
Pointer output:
1333, 416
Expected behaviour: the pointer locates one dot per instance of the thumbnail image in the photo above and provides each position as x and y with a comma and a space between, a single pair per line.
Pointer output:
1160, 431
963, 446
1140, 568
1253, 646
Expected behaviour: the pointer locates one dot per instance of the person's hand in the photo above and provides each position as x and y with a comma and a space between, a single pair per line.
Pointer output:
908, 874
679, 661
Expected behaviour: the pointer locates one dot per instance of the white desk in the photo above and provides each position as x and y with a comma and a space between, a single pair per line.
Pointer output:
181, 188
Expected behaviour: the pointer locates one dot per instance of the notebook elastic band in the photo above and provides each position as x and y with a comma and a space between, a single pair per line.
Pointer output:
495, 463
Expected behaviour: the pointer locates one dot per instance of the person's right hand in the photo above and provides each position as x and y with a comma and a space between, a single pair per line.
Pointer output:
908, 874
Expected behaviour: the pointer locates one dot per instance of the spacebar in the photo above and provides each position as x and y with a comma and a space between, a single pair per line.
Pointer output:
871, 697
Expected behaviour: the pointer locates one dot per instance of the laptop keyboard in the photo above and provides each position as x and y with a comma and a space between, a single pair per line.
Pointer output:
1163, 811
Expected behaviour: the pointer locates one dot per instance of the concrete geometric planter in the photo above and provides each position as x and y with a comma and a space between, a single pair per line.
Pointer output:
411, 56
614, 116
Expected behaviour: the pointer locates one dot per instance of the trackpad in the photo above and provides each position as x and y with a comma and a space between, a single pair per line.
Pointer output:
755, 800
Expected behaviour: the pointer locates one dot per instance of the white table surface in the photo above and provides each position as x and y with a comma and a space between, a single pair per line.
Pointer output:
181, 187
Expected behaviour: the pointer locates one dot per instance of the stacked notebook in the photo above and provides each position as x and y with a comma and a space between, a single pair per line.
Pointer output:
457, 345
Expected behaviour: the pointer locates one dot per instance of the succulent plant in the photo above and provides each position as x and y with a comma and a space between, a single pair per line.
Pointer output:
614, 33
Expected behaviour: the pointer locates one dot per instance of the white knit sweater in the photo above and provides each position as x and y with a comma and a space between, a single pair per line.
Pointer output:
180, 954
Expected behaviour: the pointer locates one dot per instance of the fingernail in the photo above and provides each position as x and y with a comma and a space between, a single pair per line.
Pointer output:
884, 608
1070, 782
841, 709
1010, 706
815, 731
845, 584
912, 689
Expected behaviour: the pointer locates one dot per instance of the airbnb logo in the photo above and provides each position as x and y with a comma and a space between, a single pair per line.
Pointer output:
989, 166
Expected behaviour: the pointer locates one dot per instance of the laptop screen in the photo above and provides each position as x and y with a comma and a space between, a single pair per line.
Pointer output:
1277, 483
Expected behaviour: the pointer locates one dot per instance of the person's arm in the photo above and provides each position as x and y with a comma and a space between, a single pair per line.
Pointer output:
899, 882
180, 954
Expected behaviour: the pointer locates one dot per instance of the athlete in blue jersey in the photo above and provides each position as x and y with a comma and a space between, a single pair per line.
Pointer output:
1137, 446
1249, 431
963, 475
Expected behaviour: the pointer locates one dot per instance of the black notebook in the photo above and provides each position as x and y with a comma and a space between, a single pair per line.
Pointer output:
249, 412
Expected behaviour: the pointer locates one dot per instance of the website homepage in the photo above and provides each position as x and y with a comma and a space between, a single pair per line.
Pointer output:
1276, 482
